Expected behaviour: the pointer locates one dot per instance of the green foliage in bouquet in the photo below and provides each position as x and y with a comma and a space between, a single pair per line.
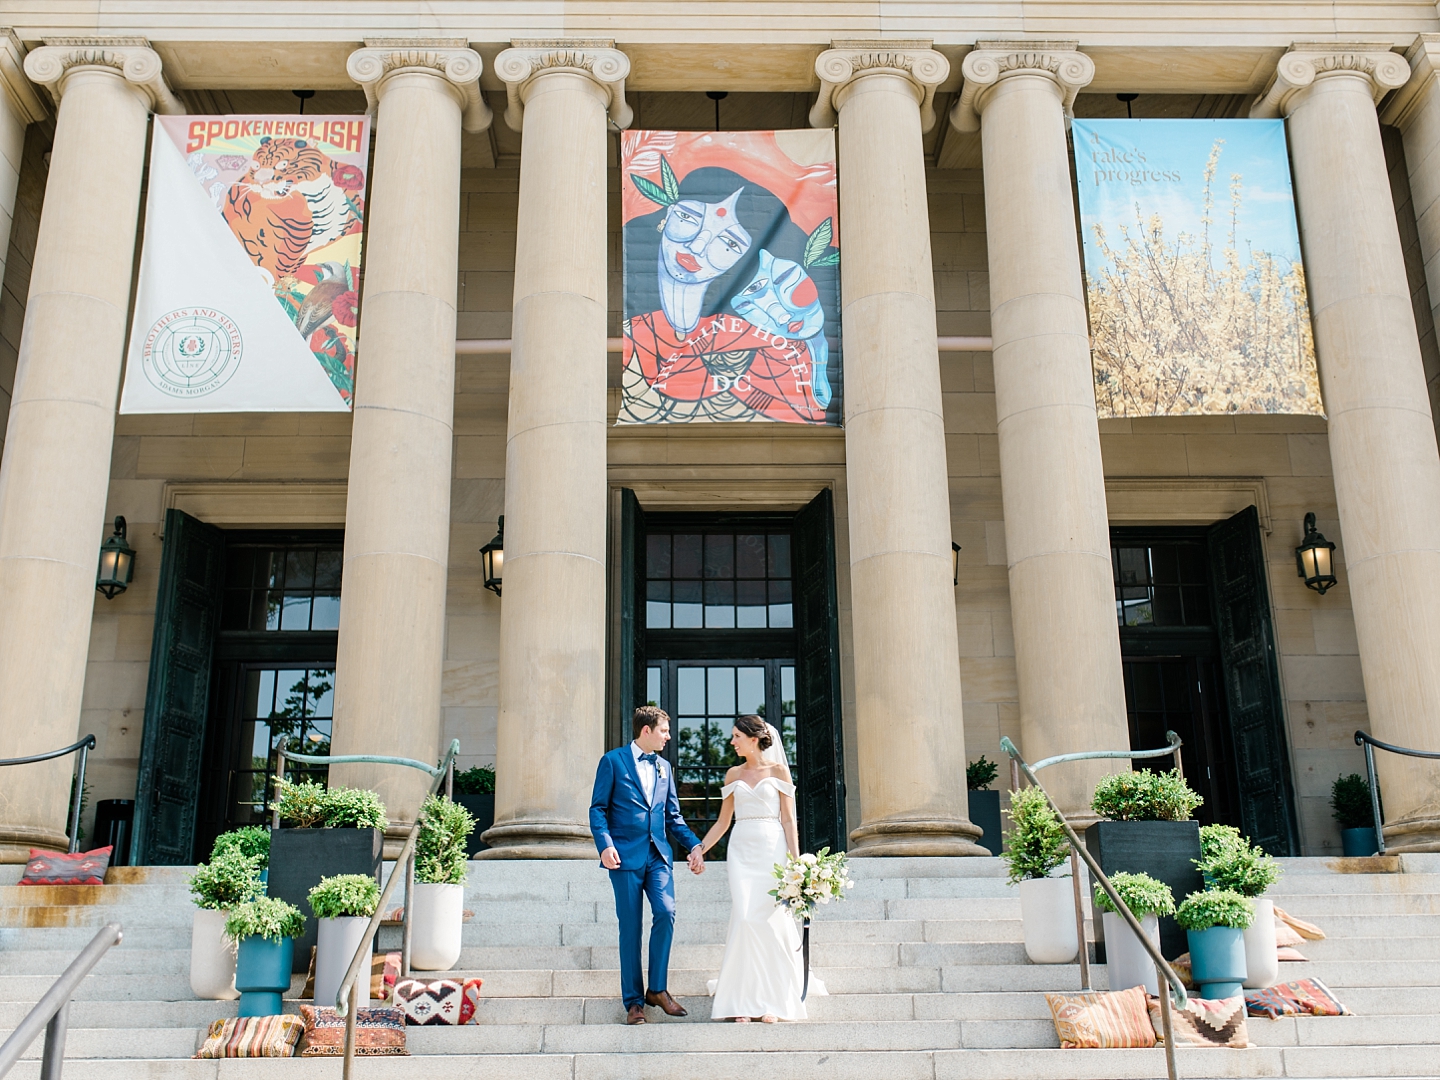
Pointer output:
1145, 796
1037, 839
1229, 861
479, 780
252, 841
980, 773
1350, 802
265, 916
1215, 907
354, 895
354, 808
807, 880
227, 880
1142, 894
440, 846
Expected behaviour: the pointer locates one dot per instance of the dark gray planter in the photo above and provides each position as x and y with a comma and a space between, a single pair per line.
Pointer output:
1162, 849
299, 858
482, 809
985, 812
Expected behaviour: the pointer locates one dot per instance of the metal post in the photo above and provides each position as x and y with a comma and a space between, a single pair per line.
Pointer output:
350, 1016
1080, 922
1014, 777
79, 797
450, 781
53, 1057
1165, 1025
1374, 798
405, 923
279, 779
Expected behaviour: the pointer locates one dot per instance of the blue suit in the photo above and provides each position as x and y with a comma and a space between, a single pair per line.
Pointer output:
621, 817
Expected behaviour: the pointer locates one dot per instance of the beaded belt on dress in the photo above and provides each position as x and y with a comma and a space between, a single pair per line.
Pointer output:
766, 817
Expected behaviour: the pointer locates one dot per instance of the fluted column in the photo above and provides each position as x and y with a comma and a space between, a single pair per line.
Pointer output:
397, 515
552, 617
55, 473
909, 721
20, 106
1382, 437
1057, 536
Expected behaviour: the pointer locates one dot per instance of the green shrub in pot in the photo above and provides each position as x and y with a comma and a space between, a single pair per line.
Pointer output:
437, 914
1142, 894
479, 780
345, 896
226, 881
1230, 862
440, 845
265, 929
252, 840
1215, 921
1215, 907
1350, 802
1126, 960
303, 805
266, 917
980, 773
1037, 845
1143, 795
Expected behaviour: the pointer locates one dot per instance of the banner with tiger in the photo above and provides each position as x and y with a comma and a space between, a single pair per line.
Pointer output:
248, 295
732, 277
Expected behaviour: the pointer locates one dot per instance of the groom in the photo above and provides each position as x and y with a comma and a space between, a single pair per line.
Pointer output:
634, 802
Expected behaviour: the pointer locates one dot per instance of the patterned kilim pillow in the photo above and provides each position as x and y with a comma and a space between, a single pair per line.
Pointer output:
58, 868
1204, 1022
252, 1036
1094, 1021
378, 1033
384, 970
1304, 997
441, 1001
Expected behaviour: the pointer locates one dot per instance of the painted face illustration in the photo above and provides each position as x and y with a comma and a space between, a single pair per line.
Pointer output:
781, 299
701, 240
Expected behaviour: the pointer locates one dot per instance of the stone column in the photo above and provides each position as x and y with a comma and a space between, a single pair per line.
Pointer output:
1057, 535
20, 106
911, 730
1382, 437
56, 468
552, 617
397, 515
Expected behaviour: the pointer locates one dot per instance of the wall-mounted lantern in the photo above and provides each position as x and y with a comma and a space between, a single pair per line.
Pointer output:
955, 561
492, 558
1315, 559
117, 563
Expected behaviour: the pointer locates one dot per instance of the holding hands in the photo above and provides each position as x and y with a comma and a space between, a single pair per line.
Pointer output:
697, 860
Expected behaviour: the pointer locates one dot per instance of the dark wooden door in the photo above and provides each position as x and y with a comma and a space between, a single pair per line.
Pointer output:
187, 615
632, 616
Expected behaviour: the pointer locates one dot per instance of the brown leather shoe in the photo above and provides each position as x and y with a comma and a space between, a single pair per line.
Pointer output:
663, 1000
635, 1014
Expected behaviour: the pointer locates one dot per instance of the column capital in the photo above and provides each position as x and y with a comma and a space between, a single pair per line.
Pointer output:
992, 61
846, 61
24, 102
130, 58
450, 59
1310, 61
1423, 55
595, 58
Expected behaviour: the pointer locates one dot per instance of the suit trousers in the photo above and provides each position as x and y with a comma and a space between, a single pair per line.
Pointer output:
657, 882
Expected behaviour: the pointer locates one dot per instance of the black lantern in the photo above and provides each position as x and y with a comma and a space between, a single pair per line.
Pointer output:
1315, 559
117, 563
955, 561
492, 558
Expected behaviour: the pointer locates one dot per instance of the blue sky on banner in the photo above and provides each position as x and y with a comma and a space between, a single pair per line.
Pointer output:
1159, 167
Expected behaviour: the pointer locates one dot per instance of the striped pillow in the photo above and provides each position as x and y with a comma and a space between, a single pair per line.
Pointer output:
252, 1036
1094, 1021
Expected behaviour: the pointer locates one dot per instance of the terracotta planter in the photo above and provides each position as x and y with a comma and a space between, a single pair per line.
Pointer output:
336, 942
1262, 965
1047, 908
1126, 961
212, 957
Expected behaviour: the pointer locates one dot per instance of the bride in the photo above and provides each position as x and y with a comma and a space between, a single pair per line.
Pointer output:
761, 974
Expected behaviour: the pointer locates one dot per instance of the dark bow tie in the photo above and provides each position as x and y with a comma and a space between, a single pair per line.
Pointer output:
648, 757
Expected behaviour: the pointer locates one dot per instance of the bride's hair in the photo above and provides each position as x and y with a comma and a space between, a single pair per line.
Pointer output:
756, 728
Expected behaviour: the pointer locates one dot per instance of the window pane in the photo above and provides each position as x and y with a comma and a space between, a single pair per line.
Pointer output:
1192, 564
322, 692
275, 575
687, 556
296, 612
1197, 605
273, 603
1136, 613
236, 613
652, 686
239, 565
719, 555
1133, 566
327, 568
259, 611
1167, 606
300, 569
749, 556
1165, 565
657, 555
720, 604
779, 557
721, 685
657, 605
750, 598
750, 689
780, 613
687, 613
787, 690
325, 615
259, 693
691, 691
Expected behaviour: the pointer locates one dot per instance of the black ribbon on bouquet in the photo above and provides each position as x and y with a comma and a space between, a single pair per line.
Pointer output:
805, 951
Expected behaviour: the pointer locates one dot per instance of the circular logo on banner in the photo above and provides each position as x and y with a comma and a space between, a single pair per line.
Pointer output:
191, 352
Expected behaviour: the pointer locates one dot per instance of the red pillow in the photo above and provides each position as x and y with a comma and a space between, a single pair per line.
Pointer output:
59, 868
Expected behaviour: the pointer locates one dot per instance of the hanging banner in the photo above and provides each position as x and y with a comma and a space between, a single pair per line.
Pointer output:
1194, 281
249, 275
732, 277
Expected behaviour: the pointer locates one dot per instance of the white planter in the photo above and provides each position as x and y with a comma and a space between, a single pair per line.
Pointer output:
1047, 906
212, 957
1261, 962
1126, 961
436, 921
335, 947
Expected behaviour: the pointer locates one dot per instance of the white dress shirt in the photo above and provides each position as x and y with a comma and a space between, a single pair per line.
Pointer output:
646, 771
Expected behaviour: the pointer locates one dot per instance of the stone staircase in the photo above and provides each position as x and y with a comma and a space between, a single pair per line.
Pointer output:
925, 967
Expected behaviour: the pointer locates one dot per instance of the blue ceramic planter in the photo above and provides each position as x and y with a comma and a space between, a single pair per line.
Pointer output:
1217, 961
1358, 843
262, 974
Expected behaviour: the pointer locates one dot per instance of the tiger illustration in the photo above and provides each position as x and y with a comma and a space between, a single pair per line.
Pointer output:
287, 205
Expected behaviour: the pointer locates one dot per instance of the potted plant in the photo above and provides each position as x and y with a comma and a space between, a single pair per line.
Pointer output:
251, 840
1229, 861
327, 834
984, 803
343, 905
1047, 904
1350, 804
227, 880
437, 910
1147, 830
1126, 960
265, 929
475, 790
1214, 921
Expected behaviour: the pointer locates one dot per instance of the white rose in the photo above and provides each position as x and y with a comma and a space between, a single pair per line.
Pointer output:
808, 859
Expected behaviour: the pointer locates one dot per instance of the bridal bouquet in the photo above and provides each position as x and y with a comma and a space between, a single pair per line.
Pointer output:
807, 880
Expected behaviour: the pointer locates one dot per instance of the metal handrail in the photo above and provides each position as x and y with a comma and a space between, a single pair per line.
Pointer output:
1369, 742
85, 745
51, 1013
1162, 967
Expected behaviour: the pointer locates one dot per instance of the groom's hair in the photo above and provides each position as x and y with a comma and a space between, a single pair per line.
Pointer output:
647, 716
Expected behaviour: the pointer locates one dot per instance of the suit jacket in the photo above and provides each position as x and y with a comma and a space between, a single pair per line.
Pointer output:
621, 818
